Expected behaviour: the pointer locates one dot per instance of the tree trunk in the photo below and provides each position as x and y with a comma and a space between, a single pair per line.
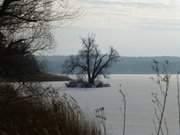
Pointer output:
91, 81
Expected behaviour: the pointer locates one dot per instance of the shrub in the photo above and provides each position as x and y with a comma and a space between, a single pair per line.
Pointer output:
85, 84
24, 113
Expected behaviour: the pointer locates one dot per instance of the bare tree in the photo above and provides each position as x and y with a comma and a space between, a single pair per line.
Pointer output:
90, 61
25, 30
29, 19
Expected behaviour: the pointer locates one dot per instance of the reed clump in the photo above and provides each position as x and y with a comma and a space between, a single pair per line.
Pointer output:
30, 109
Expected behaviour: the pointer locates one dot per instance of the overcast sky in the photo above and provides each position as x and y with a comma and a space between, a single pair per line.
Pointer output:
133, 27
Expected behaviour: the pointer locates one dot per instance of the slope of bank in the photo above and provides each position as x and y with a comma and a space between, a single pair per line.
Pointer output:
41, 77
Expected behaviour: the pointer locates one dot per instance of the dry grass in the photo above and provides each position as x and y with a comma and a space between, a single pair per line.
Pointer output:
24, 111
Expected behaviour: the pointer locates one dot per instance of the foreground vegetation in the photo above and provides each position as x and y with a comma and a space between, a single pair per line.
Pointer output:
30, 109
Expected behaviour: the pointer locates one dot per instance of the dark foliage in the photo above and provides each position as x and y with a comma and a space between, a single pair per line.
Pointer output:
24, 30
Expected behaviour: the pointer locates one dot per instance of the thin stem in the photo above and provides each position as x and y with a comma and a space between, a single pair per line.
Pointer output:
124, 113
178, 98
164, 104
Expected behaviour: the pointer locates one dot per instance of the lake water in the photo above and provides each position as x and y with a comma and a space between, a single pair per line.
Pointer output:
138, 89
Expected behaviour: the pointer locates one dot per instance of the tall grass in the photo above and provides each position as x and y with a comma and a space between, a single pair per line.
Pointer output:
162, 80
31, 109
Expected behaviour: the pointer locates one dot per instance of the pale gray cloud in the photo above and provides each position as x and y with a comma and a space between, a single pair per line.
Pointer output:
145, 3
134, 27
100, 13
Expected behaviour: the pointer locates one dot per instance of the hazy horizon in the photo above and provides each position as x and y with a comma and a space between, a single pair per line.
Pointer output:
143, 56
133, 27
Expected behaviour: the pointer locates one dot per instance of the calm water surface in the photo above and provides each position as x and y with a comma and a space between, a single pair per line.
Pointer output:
139, 90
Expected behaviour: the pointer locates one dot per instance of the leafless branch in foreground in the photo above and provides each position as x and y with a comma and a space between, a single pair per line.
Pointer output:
162, 79
124, 110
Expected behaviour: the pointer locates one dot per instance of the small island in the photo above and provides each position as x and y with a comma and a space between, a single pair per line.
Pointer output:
89, 64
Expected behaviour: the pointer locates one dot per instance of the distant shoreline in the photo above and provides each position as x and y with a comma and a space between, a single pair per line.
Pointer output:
42, 77
125, 65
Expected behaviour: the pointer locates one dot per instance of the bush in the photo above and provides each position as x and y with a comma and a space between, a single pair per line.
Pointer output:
85, 84
24, 113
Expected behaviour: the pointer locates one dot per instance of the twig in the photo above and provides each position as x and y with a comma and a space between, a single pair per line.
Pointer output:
124, 113
178, 98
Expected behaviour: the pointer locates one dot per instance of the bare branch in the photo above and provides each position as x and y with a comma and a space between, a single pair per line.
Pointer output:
90, 61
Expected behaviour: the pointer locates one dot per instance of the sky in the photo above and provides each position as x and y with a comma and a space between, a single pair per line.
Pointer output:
132, 27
